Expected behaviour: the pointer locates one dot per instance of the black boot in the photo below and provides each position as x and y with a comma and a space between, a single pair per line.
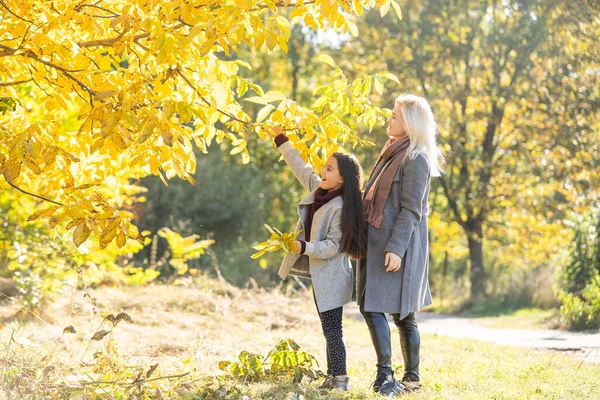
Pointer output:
385, 383
380, 335
410, 342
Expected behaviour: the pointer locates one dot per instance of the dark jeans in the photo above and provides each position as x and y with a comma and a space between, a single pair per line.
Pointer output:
410, 342
331, 322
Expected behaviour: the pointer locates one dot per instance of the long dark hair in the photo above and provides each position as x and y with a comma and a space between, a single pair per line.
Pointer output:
354, 226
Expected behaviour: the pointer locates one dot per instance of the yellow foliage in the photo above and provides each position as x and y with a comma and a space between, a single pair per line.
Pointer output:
183, 249
92, 95
277, 241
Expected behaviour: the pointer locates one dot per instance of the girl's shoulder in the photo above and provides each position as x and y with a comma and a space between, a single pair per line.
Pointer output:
336, 203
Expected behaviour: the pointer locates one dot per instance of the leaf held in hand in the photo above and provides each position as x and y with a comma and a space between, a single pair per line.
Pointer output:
277, 241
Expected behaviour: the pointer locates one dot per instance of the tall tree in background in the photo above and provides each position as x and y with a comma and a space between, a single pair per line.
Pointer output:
515, 88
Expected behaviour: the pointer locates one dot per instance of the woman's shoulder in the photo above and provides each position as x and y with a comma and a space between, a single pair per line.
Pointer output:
417, 160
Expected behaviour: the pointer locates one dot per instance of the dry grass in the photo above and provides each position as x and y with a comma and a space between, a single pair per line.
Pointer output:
190, 328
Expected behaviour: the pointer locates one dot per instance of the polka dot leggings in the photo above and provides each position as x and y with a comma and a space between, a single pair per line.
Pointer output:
331, 322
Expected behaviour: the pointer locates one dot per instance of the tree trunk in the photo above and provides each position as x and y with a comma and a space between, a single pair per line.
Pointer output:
475, 239
444, 275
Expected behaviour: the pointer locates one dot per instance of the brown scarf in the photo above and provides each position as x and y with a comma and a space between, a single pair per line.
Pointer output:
391, 158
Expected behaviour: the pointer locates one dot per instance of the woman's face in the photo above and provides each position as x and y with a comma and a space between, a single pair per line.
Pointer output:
332, 179
396, 123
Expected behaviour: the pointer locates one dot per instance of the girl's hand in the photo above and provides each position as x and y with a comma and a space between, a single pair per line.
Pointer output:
393, 262
274, 130
298, 247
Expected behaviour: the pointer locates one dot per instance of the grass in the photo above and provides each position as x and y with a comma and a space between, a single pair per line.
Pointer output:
191, 328
525, 318
493, 314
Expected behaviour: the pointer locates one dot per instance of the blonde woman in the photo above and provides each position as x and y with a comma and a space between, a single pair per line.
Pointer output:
393, 278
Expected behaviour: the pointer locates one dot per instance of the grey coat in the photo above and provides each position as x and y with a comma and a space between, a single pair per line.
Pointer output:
403, 231
330, 270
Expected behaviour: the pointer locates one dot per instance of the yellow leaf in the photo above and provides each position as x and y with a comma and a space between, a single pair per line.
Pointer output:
11, 170
121, 239
220, 93
133, 232
391, 77
324, 58
264, 112
385, 7
167, 137
50, 155
352, 28
104, 94
397, 9
42, 213
82, 232
358, 8
263, 263
273, 95
109, 124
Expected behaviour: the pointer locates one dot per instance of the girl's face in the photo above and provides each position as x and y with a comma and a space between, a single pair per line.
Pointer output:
396, 126
332, 179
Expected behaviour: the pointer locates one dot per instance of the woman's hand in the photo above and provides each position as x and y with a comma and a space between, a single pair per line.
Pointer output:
393, 262
274, 130
298, 247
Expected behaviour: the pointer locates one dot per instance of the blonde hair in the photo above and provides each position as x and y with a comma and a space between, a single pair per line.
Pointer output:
421, 129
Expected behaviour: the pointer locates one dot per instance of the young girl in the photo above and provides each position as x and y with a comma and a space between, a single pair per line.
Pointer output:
393, 278
333, 228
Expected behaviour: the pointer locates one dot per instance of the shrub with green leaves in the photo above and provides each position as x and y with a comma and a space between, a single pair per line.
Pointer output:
581, 311
284, 360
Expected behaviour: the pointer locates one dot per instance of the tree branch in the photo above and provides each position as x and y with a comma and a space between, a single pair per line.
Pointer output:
12, 13
33, 194
111, 41
282, 4
30, 54
113, 14
190, 84
3, 84
452, 202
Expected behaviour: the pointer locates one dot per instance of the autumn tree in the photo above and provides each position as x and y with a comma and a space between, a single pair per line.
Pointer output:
97, 93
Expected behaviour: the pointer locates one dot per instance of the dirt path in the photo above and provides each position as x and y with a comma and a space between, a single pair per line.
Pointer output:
584, 346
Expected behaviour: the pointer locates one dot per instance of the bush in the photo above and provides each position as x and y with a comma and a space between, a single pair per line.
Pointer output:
580, 311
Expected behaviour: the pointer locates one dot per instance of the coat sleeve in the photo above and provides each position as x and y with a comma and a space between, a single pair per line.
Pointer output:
303, 171
414, 187
330, 246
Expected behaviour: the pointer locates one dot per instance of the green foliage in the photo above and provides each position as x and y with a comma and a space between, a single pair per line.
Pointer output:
229, 207
582, 311
580, 292
7, 104
41, 262
284, 360
584, 253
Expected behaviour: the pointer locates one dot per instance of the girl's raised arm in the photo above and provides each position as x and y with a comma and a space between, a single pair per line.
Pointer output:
305, 174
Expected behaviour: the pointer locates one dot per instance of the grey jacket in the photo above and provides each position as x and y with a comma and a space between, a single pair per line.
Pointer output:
403, 231
330, 270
